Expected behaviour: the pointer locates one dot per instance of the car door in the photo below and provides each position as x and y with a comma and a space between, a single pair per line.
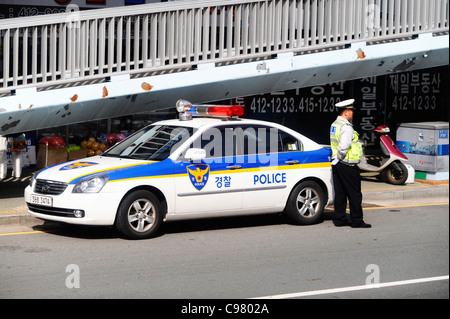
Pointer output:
270, 156
214, 184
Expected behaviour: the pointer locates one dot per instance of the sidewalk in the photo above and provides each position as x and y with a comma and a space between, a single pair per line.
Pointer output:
13, 209
378, 192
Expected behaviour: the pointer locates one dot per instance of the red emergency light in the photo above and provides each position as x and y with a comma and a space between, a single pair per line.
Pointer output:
186, 110
217, 110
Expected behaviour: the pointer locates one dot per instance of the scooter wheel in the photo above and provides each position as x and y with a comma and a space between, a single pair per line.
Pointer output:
396, 175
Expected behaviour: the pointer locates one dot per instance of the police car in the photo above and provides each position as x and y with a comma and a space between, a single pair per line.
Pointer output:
208, 166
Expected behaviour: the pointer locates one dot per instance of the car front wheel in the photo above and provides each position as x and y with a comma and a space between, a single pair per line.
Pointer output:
306, 203
139, 215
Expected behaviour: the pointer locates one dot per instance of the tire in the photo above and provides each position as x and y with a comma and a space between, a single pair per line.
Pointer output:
306, 203
139, 215
395, 177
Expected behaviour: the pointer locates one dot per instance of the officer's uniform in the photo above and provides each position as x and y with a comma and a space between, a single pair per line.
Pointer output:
346, 154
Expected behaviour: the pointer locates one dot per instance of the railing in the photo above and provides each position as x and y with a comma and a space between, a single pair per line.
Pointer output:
73, 46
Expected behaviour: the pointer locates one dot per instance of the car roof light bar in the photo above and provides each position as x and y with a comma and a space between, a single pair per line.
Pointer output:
217, 110
187, 110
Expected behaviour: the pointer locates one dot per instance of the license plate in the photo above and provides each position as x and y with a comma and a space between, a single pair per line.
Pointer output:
41, 200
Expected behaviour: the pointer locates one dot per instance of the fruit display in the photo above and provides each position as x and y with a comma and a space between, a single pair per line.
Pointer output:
93, 147
53, 141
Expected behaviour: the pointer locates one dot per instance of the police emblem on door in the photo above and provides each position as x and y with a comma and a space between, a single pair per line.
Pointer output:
198, 175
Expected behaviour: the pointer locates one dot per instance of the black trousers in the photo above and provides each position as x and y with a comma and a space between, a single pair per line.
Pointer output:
347, 185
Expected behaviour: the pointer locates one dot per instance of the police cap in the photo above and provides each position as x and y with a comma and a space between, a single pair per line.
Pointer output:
347, 104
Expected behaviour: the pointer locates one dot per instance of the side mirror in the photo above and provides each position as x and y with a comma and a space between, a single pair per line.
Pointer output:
195, 154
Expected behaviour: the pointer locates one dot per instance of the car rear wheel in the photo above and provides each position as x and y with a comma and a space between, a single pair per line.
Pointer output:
139, 215
306, 203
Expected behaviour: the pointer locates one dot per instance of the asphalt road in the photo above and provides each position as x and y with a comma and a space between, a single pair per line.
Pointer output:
233, 258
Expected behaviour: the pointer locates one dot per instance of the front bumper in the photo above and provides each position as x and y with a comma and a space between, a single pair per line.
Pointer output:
82, 209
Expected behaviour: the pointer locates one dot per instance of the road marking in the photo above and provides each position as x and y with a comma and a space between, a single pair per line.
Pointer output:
403, 206
26, 232
354, 288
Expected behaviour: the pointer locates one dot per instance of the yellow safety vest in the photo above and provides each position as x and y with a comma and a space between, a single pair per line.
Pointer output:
354, 152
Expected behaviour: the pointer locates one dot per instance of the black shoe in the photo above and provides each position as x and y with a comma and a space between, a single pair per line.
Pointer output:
341, 224
362, 225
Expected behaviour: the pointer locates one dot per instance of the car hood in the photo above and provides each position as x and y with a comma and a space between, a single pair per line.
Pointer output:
116, 168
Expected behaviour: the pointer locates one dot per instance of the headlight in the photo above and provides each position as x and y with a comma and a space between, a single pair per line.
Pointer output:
91, 184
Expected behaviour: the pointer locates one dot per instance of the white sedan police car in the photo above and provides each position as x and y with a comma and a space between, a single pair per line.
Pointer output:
209, 166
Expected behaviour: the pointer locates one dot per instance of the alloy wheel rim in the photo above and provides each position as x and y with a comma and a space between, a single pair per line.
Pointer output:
307, 202
141, 215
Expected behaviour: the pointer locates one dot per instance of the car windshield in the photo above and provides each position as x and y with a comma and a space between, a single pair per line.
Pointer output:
154, 142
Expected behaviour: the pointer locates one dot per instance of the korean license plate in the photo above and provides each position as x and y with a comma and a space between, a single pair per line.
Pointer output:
41, 200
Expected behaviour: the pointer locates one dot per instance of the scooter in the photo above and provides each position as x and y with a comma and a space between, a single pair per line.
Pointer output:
388, 161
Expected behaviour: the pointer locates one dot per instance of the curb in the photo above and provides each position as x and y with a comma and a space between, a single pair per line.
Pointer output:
16, 218
406, 194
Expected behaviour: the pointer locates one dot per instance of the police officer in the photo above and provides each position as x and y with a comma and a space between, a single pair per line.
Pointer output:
346, 154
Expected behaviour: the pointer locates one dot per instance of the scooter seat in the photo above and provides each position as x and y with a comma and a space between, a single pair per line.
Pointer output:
367, 167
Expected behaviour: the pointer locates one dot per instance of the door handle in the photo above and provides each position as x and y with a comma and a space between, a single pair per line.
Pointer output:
234, 166
291, 162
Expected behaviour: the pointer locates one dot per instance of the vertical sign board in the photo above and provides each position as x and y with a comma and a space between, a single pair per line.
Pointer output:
418, 96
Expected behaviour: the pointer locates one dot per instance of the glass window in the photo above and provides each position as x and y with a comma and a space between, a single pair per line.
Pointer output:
245, 140
218, 142
260, 140
267, 140
289, 143
151, 143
